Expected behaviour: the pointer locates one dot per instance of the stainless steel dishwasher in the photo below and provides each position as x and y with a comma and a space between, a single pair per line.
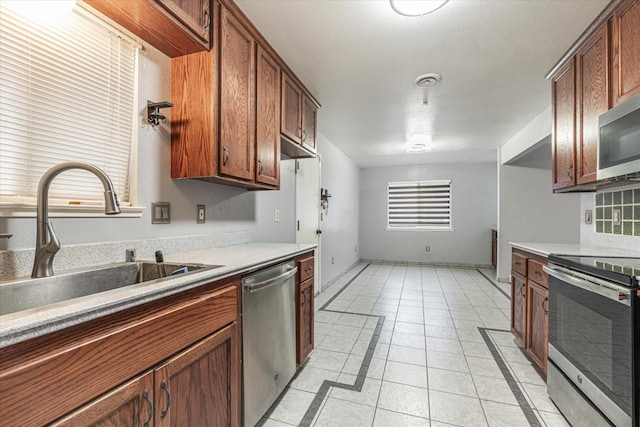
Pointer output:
268, 337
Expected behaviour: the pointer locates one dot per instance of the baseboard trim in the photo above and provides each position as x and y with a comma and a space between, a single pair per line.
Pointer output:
433, 264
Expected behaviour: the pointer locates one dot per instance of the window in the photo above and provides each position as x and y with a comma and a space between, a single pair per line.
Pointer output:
67, 93
415, 205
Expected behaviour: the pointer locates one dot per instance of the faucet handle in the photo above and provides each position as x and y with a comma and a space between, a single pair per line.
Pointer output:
53, 245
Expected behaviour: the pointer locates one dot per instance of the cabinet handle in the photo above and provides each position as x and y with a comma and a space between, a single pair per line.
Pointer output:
225, 158
304, 135
569, 174
546, 310
260, 167
537, 273
145, 396
208, 19
165, 387
518, 263
522, 290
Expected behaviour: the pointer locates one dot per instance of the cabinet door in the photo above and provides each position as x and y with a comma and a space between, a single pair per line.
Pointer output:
200, 386
194, 14
537, 336
267, 120
128, 405
626, 51
236, 98
518, 299
309, 118
304, 323
564, 129
291, 118
592, 100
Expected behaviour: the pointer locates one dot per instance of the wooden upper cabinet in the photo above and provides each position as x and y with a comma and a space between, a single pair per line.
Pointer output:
175, 27
291, 118
564, 128
626, 51
309, 119
592, 99
236, 104
267, 119
194, 14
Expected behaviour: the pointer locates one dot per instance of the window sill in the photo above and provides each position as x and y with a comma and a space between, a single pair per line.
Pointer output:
14, 210
420, 229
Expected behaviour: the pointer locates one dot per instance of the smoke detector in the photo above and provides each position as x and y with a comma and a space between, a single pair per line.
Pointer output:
426, 80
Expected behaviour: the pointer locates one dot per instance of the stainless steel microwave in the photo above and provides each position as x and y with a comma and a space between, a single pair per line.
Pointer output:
619, 140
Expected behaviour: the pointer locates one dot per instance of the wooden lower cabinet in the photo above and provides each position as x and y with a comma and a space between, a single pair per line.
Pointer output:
128, 405
304, 307
537, 338
530, 305
186, 346
518, 305
304, 323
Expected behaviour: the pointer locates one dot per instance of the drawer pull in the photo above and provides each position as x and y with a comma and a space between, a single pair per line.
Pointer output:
537, 273
518, 263
165, 387
145, 396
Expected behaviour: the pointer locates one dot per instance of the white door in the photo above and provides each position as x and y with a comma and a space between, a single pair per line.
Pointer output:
308, 208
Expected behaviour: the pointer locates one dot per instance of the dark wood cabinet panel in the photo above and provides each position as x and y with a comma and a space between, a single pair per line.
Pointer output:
200, 386
291, 117
194, 14
76, 365
309, 119
128, 405
518, 306
626, 51
267, 119
304, 324
494, 248
592, 86
564, 128
175, 27
537, 336
236, 146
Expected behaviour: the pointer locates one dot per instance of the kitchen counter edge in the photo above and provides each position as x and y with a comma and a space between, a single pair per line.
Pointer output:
567, 249
236, 260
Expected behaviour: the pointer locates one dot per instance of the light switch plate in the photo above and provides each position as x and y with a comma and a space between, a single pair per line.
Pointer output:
161, 213
201, 219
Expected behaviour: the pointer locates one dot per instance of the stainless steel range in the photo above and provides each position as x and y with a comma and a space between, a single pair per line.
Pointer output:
594, 339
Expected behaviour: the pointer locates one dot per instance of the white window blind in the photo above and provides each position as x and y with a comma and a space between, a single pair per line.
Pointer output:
67, 93
419, 204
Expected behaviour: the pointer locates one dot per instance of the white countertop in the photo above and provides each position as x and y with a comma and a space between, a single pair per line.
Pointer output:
237, 259
546, 249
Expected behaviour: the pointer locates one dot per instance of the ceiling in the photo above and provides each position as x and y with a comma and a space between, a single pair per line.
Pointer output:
359, 59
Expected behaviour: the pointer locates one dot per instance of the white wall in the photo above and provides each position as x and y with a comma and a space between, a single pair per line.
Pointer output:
340, 230
589, 237
227, 208
530, 212
473, 215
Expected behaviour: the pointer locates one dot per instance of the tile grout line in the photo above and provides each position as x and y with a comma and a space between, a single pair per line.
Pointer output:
493, 284
515, 389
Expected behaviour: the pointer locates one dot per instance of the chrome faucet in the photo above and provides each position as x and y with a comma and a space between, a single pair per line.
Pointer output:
47, 244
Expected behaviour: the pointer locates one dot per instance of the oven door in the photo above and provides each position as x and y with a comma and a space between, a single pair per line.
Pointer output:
591, 339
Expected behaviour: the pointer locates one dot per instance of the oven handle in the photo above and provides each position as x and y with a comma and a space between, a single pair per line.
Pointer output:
592, 284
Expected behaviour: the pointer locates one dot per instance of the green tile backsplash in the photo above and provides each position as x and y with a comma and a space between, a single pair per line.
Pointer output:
627, 202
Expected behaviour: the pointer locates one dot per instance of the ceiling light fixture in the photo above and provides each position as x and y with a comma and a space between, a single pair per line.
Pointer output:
416, 7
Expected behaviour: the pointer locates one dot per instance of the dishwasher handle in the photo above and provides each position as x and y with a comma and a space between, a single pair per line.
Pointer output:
255, 287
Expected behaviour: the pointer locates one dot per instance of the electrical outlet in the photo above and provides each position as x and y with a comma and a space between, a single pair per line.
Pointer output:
333, 260
355, 248
201, 215
427, 248
276, 216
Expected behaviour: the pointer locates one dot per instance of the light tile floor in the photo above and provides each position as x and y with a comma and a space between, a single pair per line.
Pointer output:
402, 345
